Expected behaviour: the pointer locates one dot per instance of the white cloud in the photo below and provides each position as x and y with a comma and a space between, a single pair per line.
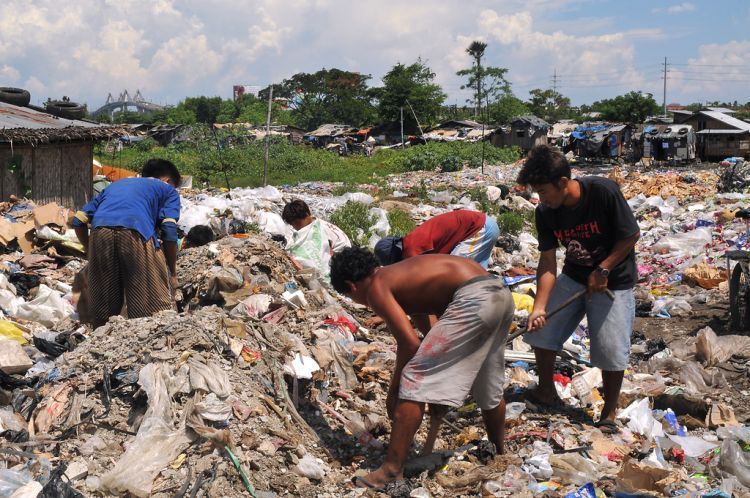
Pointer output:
681, 7
717, 71
9, 73
171, 49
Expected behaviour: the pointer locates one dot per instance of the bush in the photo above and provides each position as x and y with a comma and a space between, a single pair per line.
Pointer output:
400, 222
512, 222
355, 220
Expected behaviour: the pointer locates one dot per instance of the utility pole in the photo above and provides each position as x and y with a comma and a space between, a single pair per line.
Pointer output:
664, 101
421, 132
554, 81
268, 136
402, 127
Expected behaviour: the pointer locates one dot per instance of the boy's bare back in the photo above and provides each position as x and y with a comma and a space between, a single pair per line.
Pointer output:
423, 284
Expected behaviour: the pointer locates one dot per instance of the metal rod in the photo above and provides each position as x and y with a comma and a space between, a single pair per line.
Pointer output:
268, 136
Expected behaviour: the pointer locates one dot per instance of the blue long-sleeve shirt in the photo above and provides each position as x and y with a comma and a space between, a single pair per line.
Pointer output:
141, 204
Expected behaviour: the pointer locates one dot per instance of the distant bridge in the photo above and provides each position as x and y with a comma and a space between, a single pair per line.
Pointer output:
125, 102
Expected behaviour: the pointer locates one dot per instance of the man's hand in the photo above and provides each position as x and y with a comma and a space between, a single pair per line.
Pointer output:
537, 320
597, 283
373, 322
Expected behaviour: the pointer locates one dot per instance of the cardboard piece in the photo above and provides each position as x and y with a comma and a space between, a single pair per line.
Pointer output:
13, 359
720, 415
50, 214
24, 232
643, 479
7, 232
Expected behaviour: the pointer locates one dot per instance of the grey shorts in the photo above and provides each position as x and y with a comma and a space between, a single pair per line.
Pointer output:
465, 350
610, 324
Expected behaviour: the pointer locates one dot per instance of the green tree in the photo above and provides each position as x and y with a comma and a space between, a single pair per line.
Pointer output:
548, 104
206, 109
633, 107
326, 96
506, 108
404, 85
488, 83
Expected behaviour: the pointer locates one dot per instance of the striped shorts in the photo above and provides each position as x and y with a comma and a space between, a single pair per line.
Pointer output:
125, 269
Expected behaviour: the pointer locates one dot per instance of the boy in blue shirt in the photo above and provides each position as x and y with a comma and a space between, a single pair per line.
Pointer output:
127, 263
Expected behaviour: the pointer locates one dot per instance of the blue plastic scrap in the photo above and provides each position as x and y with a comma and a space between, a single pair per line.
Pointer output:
586, 491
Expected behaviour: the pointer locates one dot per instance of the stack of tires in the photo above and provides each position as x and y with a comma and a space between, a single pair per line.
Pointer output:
15, 96
59, 108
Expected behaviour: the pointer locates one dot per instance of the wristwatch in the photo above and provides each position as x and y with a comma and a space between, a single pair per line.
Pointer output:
602, 271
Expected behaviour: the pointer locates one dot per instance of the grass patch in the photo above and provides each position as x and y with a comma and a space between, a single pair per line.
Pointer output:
400, 222
355, 221
211, 158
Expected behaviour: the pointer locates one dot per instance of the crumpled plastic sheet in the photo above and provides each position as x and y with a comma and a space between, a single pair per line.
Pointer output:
712, 349
690, 243
157, 443
47, 308
208, 377
641, 419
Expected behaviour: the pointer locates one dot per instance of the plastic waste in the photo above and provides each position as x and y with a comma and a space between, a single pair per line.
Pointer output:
641, 419
57, 487
11, 480
538, 466
301, 367
157, 442
310, 467
297, 298
739, 433
48, 307
31, 489
693, 446
734, 462
671, 419
685, 244
212, 408
586, 491
254, 306
207, 377
9, 330
514, 410
573, 468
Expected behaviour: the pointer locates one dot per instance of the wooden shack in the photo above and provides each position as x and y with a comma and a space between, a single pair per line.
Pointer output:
46, 158
524, 132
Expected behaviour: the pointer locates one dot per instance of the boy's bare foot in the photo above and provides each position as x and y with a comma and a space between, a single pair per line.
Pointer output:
377, 479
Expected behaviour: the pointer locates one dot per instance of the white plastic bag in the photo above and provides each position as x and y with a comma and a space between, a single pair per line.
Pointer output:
157, 443
642, 419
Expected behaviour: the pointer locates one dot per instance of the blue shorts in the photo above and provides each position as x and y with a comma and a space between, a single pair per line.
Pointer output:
610, 324
479, 246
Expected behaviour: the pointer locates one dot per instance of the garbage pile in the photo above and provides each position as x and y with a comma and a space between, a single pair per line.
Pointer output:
266, 383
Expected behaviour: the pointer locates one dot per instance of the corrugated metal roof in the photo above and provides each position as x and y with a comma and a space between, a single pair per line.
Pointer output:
29, 126
13, 117
727, 119
723, 132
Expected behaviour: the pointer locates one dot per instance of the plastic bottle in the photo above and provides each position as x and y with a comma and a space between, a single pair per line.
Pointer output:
671, 419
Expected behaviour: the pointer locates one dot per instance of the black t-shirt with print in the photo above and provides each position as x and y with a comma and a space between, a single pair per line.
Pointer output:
589, 231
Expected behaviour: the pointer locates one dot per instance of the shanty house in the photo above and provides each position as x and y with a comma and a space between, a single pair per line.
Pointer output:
523, 131
601, 139
327, 133
720, 134
47, 158
455, 129
662, 142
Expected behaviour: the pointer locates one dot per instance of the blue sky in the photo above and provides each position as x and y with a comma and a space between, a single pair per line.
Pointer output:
174, 48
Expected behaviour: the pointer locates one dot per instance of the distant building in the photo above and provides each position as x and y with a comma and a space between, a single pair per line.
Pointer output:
523, 131
47, 158
719, 133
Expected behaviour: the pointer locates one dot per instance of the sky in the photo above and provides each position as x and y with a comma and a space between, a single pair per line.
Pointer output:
169, 49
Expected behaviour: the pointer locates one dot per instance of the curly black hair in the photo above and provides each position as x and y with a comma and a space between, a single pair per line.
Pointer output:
351, 264
157, 168
295, 210
544, 164
200, 235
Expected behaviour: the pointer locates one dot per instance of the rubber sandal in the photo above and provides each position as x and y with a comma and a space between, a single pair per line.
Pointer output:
607, 426
361, 482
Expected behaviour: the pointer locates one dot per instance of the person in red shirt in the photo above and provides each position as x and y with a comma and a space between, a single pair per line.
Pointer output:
469, 234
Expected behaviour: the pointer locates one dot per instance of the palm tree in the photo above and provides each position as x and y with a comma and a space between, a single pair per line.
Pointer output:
476, 50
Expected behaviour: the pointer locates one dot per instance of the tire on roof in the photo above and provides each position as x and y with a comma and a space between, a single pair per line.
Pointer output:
68, 110
15, 96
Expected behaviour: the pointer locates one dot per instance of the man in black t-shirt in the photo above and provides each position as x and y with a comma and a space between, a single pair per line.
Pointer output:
590, 219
